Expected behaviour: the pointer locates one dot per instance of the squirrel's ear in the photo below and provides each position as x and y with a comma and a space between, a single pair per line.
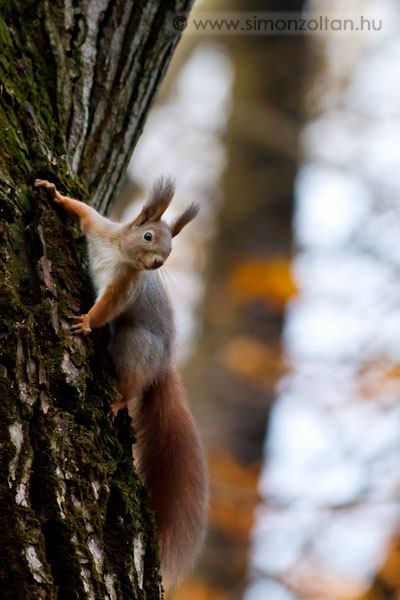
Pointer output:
185, 218
160, 197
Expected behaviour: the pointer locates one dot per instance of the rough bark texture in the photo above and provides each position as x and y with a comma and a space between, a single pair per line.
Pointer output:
76, 80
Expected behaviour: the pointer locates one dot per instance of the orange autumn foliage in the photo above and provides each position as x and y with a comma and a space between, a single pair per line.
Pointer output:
377, 381
224, 468
196, 589
253, 359
234, 495
269, 279
390, 570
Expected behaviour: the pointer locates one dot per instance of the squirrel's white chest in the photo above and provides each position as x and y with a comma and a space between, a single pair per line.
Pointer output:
104, 260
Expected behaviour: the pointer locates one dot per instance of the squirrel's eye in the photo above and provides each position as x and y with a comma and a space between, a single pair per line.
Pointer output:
148, 236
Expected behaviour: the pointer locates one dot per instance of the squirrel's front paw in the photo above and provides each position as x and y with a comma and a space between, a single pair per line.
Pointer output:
82, 326
47, 185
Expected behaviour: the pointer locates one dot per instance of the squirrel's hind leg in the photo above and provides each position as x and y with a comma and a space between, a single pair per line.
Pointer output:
119, 403
123, 396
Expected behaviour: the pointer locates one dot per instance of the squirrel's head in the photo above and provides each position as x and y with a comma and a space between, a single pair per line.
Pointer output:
147, 242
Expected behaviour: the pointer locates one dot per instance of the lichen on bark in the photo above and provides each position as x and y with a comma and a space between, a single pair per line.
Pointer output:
76, 81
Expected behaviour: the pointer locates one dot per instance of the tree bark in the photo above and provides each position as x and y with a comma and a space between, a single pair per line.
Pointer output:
77, 78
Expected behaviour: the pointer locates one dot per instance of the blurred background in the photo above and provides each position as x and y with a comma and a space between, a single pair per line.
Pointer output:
287, 296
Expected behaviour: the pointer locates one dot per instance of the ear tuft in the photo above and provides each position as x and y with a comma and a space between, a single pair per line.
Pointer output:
160, 196
188, 215
163, 190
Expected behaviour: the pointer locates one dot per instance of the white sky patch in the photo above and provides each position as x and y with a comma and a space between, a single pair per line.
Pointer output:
331, 479
262, 589
333, 205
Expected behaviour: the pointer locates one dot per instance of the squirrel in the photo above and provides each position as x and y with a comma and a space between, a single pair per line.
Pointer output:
123, 263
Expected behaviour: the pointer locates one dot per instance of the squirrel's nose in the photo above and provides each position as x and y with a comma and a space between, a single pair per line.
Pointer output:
157, 262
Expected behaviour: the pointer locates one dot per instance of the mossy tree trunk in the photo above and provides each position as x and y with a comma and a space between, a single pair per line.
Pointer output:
76, 81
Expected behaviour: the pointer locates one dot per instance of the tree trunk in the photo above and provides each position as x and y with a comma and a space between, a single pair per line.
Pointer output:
76, 81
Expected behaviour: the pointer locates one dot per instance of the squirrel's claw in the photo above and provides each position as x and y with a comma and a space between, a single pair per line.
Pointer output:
82, 326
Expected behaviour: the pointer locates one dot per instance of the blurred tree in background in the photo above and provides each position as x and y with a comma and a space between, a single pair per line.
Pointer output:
238, 360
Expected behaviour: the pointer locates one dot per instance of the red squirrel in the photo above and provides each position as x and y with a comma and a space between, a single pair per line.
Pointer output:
123, 261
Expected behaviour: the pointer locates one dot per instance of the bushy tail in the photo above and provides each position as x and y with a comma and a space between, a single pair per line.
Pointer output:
171, 463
